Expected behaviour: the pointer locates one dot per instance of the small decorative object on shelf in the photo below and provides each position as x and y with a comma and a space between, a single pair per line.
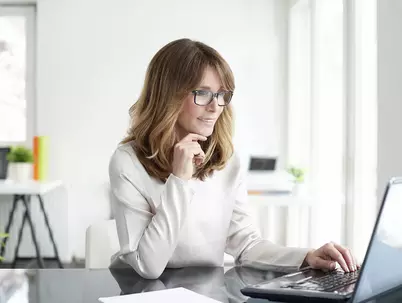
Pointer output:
40, 152
20, 161
298, 174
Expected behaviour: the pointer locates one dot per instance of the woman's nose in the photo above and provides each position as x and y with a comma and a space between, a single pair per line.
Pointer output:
213, 106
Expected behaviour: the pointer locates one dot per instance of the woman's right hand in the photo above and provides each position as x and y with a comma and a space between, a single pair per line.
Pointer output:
187, 151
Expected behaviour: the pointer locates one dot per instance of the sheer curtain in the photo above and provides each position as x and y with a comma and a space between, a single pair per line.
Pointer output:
331, 115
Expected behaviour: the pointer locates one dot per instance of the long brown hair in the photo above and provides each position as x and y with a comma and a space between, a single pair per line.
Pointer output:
172, 74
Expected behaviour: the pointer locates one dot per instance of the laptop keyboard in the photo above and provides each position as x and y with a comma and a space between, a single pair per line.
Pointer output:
328, 282
336, 279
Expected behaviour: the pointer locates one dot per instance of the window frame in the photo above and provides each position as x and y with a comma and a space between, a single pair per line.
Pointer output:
29, 12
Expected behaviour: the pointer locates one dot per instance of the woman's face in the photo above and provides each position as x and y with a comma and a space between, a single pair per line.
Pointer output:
201, 119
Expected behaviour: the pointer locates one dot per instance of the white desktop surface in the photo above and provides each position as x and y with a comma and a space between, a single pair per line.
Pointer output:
179, 295
9, 187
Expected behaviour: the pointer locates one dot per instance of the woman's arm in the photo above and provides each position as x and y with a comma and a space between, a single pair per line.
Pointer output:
246, 245
147, 237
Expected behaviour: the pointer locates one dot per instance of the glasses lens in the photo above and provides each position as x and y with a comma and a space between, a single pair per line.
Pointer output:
224, 98
202, 97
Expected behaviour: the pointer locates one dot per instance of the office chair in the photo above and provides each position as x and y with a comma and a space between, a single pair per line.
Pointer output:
101, 242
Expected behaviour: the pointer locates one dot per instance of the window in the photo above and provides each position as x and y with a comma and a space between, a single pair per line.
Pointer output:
299, 95
316, 117
361, 73
316, 104
16, 74
332, 113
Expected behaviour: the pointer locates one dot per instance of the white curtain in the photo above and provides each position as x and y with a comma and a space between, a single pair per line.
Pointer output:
331, 117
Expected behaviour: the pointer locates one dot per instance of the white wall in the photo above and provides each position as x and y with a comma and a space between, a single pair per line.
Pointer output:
389, 91
91, 59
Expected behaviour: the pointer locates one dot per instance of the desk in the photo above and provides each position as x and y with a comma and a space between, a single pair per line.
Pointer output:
23, 192
86, 286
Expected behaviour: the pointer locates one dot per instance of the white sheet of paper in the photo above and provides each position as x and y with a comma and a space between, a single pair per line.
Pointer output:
177, 295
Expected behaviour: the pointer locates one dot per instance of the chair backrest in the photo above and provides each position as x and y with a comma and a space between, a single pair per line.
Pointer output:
100, 244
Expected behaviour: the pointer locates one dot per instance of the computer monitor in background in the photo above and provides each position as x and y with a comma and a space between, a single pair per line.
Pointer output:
262, 164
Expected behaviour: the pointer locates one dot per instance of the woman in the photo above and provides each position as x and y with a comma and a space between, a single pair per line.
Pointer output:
180, 197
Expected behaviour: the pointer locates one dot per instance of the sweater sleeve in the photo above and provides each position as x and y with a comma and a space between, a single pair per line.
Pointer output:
147, 236
246, 245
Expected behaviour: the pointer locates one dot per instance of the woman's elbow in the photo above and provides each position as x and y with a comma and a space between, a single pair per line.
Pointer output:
151, 275
147, 269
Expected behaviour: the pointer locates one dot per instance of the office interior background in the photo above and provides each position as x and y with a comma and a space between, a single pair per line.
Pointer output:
317, 87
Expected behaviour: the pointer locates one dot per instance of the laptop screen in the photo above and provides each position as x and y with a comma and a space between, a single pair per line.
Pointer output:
383, 264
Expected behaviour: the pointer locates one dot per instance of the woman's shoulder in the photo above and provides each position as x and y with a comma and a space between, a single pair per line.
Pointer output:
234, 163
124, 159
125, 169
233, 168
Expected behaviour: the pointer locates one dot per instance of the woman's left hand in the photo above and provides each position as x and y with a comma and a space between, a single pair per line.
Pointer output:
329, 254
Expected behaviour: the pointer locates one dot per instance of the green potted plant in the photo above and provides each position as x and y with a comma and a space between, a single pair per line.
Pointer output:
20, 161
2, 237
298, 174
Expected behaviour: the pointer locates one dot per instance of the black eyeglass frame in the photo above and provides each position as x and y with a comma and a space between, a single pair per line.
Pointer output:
213, 95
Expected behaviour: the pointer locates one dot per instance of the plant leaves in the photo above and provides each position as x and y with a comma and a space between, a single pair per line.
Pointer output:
20, 154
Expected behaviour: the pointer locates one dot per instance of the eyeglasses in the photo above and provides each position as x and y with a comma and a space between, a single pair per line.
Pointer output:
205, 97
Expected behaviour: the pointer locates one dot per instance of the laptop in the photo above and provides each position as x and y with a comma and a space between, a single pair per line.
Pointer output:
380, 272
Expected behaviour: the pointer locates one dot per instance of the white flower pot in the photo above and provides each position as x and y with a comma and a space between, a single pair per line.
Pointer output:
19, 172
299, 189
